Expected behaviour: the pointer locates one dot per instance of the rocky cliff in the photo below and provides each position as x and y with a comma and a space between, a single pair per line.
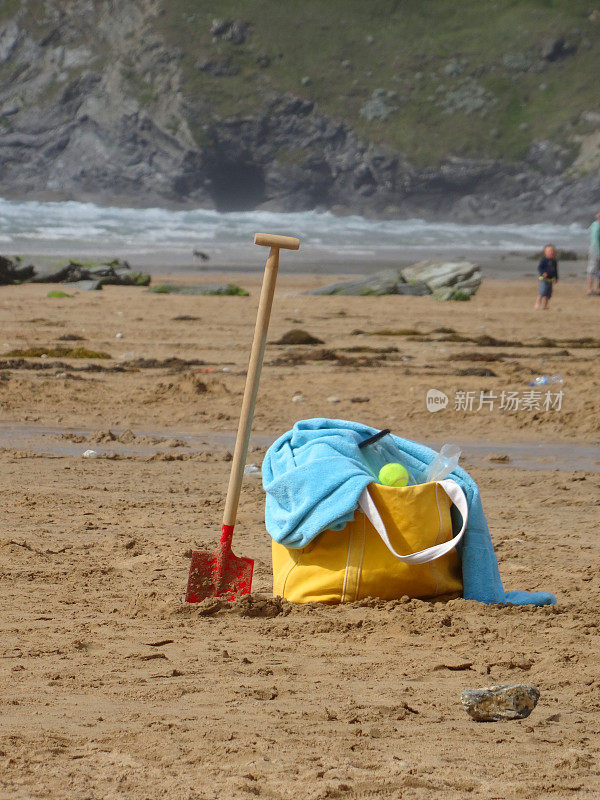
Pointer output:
145, 102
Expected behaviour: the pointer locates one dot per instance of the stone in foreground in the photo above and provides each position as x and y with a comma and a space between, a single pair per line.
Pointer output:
495, 703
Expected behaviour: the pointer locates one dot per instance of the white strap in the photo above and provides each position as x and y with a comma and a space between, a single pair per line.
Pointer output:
454, 492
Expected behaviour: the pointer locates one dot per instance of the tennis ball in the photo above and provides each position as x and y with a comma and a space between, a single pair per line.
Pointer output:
393, 474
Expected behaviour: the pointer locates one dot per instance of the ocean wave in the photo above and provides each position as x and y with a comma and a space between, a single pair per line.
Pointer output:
109, 229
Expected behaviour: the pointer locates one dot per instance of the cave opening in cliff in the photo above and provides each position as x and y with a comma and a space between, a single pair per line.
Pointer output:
237, 186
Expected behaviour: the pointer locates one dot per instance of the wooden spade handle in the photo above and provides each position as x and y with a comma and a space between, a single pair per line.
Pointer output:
272, 240
254, 368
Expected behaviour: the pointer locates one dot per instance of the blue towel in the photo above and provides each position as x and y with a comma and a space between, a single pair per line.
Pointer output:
313, 476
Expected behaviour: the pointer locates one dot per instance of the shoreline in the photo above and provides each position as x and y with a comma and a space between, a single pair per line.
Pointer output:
311, 261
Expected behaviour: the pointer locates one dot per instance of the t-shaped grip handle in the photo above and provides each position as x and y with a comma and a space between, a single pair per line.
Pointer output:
272, 240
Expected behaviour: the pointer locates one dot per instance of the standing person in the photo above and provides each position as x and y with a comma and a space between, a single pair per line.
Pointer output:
548, 274
593, 267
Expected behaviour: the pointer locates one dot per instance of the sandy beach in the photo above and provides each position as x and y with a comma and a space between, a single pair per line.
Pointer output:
111, 687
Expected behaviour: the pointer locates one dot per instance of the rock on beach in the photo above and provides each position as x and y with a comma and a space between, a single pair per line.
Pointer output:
502, 702
445, 280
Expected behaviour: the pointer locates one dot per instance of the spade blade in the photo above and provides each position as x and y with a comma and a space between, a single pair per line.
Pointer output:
218, 575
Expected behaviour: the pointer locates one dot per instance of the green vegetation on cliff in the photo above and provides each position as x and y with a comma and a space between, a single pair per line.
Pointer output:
476, 78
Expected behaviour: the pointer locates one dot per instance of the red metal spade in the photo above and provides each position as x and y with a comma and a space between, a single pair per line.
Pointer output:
221, 573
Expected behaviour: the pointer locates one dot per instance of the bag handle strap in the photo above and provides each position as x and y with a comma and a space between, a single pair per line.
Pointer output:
456, 495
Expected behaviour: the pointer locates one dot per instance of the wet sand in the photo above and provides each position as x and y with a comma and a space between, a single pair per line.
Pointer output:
112, 687
494, 264
310, 260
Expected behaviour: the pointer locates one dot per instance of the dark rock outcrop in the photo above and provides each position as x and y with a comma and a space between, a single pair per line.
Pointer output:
79, 275
12, 272
557, 48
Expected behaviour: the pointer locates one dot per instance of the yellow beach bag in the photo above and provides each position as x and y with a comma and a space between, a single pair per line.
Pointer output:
364, 559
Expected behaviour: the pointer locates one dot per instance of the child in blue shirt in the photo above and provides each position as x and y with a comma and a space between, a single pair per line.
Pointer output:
548, 275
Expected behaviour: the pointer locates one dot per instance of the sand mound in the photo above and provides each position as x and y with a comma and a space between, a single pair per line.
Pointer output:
187, 386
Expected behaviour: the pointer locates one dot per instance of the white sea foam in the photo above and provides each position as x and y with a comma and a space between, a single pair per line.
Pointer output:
65, 227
